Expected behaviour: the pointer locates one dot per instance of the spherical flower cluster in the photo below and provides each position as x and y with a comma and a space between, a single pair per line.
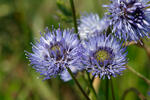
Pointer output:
129, 19
90, 24
104, 56
55, 51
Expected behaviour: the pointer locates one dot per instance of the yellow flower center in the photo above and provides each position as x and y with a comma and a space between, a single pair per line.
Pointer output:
102, 55
55, 48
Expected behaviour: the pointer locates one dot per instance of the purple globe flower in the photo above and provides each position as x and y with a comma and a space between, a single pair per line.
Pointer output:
129, 19
90, 24
55, 51
104, 56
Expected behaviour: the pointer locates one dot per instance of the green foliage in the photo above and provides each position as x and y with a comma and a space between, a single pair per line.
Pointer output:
63, 8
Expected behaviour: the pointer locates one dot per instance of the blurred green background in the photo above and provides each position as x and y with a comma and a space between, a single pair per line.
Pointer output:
21, 21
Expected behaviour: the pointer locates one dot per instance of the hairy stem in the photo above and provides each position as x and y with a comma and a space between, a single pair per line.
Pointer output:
139, 75
140, 95
112, 89
77, 83
74, 15
129, 43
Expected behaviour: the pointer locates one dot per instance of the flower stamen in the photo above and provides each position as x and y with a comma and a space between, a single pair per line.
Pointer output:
102, 55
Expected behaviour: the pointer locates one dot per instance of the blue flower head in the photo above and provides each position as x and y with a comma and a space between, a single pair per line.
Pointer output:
104, 56
130, 19
90, 24
55, 51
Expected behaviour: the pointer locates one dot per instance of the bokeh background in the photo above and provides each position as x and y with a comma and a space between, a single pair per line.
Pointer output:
21, 22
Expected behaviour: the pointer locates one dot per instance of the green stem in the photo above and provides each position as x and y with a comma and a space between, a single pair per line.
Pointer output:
91, 85
139, 94
79, 86
93, 78
147, 49
112, 89
74, 16
139, 75
107, 89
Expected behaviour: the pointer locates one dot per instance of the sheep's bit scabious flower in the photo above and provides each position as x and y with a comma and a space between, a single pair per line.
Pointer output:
130, 19
90, 24
104, 56
55, 51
